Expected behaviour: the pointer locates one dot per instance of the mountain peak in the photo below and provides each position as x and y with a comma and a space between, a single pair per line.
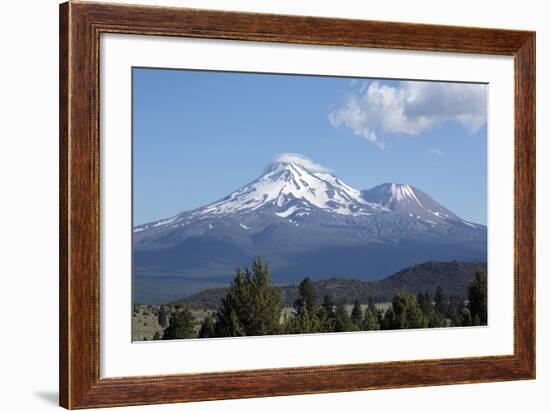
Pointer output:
392, 193
297, 160
409, 200
293, 185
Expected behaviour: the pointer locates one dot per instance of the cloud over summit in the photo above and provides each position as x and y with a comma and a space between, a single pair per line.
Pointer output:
301, 160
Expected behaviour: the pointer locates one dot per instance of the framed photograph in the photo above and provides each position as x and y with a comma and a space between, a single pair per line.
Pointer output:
258, 205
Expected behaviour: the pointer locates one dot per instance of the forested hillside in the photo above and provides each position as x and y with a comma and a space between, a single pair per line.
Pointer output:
453, 277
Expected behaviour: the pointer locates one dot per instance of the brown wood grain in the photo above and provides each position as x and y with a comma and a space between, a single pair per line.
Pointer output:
80, 27
63, 206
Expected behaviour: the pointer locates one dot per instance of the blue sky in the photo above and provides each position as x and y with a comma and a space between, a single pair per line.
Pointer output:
198, 135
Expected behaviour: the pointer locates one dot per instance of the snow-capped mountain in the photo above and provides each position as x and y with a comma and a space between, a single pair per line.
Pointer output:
413, 202
289, 187
304, 221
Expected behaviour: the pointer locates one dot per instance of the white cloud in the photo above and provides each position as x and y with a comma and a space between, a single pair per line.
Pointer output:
301, 160
436, 152
410, 108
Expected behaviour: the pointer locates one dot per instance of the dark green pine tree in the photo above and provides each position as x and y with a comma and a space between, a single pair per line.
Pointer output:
307, 297
441, 303
264, 317
356, 316
326, 315
228, 323
328, 306
436, 321
372, 318
306, 318
304, 322
407, 312
251, 305
342, 321
389, 321
426, 303
455, 307
477, 296
163, 317
182, 325
457, 312
207, 327
374, 309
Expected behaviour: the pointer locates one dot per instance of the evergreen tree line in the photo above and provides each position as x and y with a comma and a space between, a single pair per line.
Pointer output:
253, 306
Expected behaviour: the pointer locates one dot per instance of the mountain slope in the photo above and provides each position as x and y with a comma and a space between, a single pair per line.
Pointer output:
305, 222
288, 187
409, 200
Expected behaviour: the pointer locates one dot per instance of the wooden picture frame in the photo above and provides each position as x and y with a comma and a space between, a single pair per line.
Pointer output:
80, 27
